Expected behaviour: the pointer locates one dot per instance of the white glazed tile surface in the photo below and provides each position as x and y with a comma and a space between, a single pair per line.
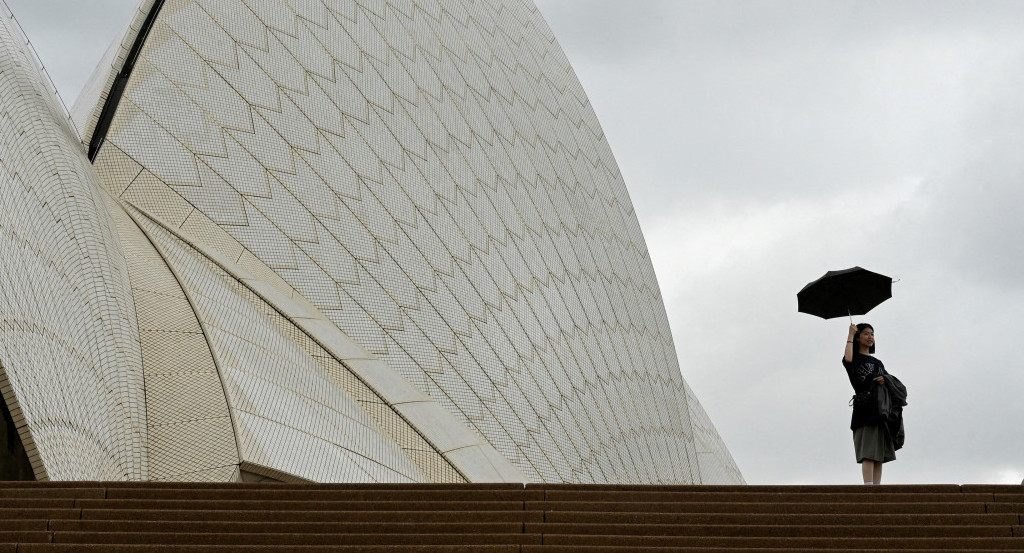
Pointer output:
431, 176
296, 408
69, 340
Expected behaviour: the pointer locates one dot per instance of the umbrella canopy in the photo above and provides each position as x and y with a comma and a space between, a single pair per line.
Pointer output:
853, 291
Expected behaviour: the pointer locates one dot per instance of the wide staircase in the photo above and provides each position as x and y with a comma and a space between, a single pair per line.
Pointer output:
283, 518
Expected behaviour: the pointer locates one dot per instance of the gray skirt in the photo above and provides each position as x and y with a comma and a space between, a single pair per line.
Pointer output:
874, 444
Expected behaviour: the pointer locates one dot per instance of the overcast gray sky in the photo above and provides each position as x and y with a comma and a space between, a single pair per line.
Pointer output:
766, 142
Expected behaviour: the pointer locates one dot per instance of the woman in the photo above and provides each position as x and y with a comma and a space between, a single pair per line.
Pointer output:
871, 442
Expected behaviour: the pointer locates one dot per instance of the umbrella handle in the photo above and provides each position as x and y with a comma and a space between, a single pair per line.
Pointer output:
850, 314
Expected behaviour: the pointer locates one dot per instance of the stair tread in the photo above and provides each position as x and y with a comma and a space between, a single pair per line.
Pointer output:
157, 548
804, 542
38, 514
22, 525
548, 548
768, 530
293, 538
780, 497
297, 505
740, 518
27, 536
51, 493
785, 488
759, 507
313, 516
333, 495
265, 527
37, 503
134, 517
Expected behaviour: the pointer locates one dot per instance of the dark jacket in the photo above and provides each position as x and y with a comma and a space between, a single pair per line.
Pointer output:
862, 370
891, 398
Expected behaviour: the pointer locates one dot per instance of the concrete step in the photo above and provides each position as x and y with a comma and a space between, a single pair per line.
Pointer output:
778, 497
899, 544
303, 538
132, 517
788, 507
1005, 519
313, 516
548, 548
38, 514
155, 548
326, 495
751, 530
264, 527
15, 525
297, 505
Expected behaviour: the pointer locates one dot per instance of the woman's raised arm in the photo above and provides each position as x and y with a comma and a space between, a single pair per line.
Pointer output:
848, 355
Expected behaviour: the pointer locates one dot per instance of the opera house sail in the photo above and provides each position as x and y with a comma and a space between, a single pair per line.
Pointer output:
333, 241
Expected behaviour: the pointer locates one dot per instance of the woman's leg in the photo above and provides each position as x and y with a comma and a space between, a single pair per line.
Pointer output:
876, 477
867, 469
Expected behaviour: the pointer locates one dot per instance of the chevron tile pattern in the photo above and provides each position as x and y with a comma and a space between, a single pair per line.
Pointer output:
284, 389
331, 240
431, 177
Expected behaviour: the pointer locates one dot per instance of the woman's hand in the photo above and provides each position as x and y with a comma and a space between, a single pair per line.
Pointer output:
853, 331
880, 379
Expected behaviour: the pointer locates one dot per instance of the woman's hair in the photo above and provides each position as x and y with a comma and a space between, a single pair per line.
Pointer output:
856, 337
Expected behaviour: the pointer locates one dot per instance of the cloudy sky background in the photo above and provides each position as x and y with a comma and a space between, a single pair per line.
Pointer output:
765, 143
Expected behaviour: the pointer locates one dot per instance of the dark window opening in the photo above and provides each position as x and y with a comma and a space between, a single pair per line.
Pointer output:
120, 82
14, 464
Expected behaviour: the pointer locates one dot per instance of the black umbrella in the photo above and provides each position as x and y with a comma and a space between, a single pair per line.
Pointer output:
853, 291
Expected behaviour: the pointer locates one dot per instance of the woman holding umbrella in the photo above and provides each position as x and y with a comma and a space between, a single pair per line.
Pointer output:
872, 444
877, 421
